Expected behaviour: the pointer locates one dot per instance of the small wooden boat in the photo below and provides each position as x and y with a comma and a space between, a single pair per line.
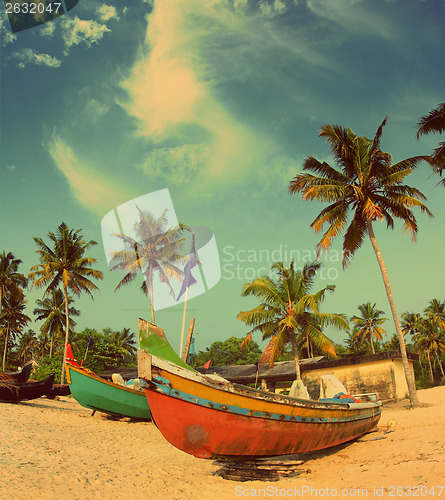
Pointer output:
99, 394
13, 392
18, 377
207, 416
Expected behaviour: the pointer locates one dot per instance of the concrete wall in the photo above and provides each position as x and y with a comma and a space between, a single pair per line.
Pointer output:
384, 377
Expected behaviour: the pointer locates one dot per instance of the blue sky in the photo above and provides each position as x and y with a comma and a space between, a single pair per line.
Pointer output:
220, 102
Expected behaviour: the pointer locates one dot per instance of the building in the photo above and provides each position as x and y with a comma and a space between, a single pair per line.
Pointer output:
380, 373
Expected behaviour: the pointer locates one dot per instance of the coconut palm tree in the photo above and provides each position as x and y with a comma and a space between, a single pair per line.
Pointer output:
11, 281
436, 311
434, 122
28, 345
65, 264
12, 320
124, 340
156, 250
367, 185
430, 341
410, 323
367, 326
52, 311
288, 310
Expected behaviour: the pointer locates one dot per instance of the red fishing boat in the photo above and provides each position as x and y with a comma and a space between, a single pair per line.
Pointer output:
207, 416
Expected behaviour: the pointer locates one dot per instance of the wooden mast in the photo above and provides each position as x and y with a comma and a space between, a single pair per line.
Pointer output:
188, 340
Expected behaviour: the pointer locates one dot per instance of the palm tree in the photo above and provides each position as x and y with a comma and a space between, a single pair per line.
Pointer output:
288, 310
155, 250
28, 344
410, 323
436, 311
367, 326
392, 344
124, 340
434, 122
431, 340
11, 281
65, 264
12, 320
355, 346
52, 310
370, 186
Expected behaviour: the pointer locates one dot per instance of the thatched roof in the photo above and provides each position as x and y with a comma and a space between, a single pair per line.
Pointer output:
283, 371
246, 374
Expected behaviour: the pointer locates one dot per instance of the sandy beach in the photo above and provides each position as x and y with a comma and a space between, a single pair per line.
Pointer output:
54, 449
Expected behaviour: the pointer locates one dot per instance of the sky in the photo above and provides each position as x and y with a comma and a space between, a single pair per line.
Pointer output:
216, 104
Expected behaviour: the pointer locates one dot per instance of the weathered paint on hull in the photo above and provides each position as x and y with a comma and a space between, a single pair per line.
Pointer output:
244, 399
175, 381
206, 433
98, 394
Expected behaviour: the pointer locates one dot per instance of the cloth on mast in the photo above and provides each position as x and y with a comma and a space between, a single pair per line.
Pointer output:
188, 278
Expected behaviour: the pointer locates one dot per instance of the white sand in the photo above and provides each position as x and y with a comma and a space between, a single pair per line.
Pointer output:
56, 449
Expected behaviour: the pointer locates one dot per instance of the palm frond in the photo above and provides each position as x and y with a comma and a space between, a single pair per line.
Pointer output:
434, 121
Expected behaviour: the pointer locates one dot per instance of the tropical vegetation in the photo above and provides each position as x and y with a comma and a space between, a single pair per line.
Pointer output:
367, 325
228, 352
107, 352
369, 187
64, 264
12, 284
12, 320
52, 311
289, 312
434, 122
428, 333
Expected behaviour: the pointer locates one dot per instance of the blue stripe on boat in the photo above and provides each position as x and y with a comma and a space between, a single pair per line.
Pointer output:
163, 386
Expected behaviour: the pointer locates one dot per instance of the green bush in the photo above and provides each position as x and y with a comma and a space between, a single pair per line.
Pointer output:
424, 383
47, 366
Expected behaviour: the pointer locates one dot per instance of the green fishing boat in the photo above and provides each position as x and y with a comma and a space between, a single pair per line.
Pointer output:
92, 391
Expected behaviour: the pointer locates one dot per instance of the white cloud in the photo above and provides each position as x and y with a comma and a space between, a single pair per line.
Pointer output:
5, 34
355, 16
107, 12
90, 188
177, 165
30, 56
49, 30
171, 96
11, 167
76, 31
96, 109
272, 8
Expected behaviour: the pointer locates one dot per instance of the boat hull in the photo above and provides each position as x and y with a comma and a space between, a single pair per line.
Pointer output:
13, 392
209, 432
19, 377
207, 416
98, 394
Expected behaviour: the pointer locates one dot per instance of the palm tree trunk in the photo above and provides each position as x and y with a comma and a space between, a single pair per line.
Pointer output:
296, 357
62, 373
408, 374
6, 344
372, 344
440, 364
431, 368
